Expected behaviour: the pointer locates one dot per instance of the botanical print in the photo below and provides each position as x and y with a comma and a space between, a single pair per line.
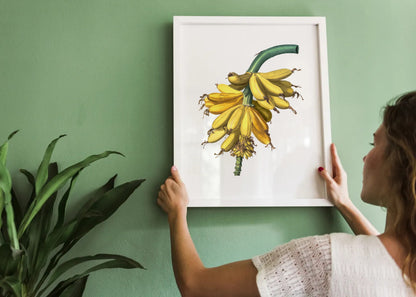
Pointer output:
240, 115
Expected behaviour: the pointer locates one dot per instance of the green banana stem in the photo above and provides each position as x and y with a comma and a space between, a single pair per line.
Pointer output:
238, 163
262, 57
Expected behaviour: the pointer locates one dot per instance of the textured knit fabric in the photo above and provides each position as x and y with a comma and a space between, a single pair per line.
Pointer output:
335, 265
299, 268
361, 266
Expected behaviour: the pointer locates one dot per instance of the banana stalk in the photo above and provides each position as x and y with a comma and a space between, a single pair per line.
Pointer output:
238, 164
262, 57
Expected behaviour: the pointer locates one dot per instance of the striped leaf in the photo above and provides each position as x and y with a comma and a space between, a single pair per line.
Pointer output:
73, 289
103, 207
42, 174
115, 261
55, 184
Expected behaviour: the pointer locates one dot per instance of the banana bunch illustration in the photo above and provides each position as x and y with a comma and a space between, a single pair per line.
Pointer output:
243, 107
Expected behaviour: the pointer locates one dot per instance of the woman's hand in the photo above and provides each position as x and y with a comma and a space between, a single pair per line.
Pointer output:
336, 185
172, 197
337, 190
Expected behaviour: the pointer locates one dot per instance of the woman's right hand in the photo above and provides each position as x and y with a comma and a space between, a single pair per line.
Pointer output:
172, 197
336, 185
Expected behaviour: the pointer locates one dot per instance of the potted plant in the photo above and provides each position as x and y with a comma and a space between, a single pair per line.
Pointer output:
36, 235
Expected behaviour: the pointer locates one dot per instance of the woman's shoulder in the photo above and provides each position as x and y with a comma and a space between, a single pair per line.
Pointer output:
355, 257
363, 243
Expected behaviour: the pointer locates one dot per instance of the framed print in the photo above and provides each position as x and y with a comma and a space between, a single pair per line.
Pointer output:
251, 110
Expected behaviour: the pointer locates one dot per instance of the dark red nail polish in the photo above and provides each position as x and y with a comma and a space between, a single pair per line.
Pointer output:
320, 169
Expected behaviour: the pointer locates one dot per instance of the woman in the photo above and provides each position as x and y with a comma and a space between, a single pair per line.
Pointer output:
369, 264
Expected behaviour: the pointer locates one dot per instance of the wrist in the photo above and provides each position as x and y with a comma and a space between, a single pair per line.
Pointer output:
345, 205
178, 214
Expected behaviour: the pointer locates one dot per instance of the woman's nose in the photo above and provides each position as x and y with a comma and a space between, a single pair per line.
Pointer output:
364, 158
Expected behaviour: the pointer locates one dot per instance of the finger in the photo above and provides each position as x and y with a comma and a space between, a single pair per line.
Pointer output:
175, 174
160, 203
163, 187
325, 175
336, 162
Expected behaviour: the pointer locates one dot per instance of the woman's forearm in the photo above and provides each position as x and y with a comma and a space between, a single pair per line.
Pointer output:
185, 259
356, 220
193, 279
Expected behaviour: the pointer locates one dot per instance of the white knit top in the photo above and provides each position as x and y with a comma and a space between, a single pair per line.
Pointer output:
330, 265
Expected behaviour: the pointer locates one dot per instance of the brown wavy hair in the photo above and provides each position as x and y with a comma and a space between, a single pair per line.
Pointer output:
400, 123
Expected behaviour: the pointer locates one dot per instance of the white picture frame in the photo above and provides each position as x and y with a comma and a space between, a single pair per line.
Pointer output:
206, 49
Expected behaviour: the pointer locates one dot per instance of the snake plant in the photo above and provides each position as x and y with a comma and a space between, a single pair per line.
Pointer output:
34, 236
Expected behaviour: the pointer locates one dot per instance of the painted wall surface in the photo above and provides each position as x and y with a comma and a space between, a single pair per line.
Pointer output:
101, 71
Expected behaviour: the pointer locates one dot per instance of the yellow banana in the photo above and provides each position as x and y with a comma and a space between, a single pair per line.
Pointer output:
223, 97
256, 88
235, 119
269, 87
288, 92
262, 136
238, 87
221, 107
283, 83
238, 79
286, 86
258, 121
216, 135
266, 113
247, 154
266, 104
279, 102
223, 118
229, 142
208, 103
223, 88
278, 74
245, 127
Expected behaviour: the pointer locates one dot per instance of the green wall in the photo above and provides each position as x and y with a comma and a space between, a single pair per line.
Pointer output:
101, 71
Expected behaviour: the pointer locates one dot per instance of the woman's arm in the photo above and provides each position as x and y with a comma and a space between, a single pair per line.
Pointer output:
192, 277
337, 190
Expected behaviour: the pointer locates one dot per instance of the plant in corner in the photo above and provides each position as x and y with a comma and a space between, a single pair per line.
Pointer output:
35, 236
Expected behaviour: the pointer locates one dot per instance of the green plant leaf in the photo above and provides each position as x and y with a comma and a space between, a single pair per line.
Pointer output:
74, 289
7, 265
97, 195
4, 148
9, 260
31, 179
55, 184
42, 174
62, 204
6, 197
11, 285
115, 262
5, 179
47, 209
38, 231
2, 239
103, 207
16, 207
29, 176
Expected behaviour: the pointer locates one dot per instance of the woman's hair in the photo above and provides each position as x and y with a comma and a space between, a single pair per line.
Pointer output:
400, 123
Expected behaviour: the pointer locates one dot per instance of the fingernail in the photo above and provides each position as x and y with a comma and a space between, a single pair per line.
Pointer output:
174, 168
320, 169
